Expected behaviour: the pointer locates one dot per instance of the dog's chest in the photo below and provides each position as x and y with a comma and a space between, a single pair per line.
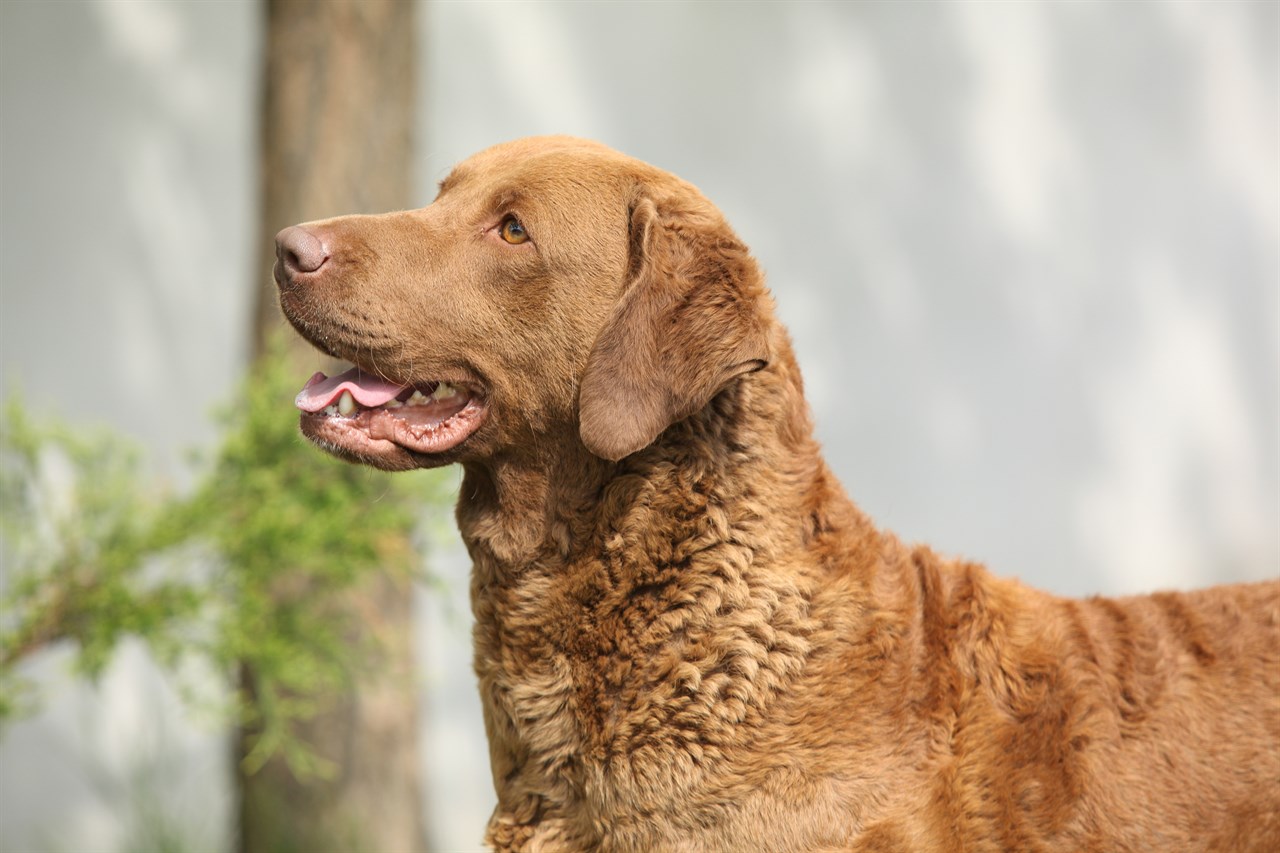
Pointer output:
613, 689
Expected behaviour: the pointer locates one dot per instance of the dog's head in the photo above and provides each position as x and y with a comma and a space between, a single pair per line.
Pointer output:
554, 291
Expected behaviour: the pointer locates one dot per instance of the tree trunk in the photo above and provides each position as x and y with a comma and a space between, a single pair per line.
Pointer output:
337, 120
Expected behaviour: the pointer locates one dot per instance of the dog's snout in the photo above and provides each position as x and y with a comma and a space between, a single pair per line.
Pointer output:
299, 251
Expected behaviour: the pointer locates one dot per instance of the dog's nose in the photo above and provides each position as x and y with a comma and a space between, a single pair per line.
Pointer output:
300, 251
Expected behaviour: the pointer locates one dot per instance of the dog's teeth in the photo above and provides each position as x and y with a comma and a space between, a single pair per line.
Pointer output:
331, 409
443, 391
417, 399
346, 403
392, 404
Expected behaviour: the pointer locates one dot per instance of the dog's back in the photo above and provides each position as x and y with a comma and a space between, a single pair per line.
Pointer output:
1145, 723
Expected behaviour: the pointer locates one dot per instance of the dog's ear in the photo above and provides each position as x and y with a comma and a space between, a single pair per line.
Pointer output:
689, 322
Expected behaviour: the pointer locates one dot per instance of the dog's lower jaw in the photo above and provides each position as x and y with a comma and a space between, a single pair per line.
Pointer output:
393, 459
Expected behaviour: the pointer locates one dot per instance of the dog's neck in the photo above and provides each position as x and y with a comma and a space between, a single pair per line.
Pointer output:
555, 498
707, 547
513, 507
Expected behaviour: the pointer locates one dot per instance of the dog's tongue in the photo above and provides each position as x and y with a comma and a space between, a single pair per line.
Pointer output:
369, 391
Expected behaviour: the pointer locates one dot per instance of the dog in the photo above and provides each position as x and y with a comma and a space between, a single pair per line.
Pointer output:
687, 637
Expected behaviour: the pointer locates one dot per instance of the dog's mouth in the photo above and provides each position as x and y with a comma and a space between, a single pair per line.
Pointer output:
361, 415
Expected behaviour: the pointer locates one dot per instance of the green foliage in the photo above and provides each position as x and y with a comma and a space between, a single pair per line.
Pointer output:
296, 527
248, 571
77, 530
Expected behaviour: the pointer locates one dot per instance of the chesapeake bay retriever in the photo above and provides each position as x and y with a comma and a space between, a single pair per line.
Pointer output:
687, 637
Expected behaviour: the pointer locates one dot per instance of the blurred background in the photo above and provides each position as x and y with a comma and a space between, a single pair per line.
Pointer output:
1029, 254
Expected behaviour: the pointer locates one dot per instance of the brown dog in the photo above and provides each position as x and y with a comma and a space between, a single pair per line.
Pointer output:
687, 637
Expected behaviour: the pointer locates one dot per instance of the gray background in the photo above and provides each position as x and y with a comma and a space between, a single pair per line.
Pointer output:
1029, 253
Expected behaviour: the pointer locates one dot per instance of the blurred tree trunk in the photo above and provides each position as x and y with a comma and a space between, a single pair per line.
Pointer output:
337, 120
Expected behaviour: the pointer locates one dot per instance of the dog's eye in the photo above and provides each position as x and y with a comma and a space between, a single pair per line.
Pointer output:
512, 231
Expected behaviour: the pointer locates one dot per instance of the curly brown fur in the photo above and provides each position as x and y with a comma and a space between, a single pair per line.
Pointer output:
687, 637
